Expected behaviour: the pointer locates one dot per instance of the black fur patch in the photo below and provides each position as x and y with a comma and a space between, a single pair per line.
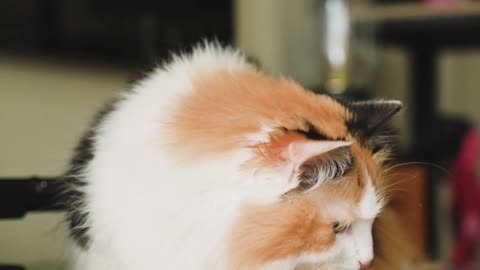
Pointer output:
370, 122
75, 198
312, 132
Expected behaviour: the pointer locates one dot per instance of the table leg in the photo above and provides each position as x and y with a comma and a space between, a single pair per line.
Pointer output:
423, 87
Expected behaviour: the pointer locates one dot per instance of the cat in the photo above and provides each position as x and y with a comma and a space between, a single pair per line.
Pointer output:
210, 163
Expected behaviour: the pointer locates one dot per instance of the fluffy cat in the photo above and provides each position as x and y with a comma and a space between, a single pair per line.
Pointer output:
211, 164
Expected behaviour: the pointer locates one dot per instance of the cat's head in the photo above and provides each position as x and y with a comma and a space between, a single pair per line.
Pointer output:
326, 161
319, 165
314, 165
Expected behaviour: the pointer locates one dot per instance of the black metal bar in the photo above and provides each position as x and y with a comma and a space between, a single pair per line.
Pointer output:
21, 195
423, 87
11, 267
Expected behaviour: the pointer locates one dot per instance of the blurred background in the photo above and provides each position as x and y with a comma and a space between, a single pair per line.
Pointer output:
61, 60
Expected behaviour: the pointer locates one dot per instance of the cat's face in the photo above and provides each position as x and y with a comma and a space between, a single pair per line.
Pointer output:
316, 166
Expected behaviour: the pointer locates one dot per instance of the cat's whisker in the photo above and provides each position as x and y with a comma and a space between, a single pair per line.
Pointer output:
387, 188
418, 163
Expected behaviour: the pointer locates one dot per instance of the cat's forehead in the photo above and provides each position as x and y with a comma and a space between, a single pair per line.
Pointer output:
295, 108
325, 117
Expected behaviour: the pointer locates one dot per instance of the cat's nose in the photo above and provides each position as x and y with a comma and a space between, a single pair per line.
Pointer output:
365, 264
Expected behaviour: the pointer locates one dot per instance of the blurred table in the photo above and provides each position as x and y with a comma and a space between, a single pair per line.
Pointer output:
424, 30
18, 196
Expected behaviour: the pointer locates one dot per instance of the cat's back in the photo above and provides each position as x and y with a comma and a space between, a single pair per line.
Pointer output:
127, 190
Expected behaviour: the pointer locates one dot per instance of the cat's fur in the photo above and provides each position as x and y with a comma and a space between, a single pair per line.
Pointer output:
211, 164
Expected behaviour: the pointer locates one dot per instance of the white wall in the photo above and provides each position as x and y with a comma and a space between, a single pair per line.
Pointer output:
45, 106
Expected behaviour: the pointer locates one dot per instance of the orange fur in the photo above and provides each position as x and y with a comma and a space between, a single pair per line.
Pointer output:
225, 107
300, 224
268, 233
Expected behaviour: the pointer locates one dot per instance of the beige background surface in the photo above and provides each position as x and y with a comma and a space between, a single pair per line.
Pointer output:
45, 106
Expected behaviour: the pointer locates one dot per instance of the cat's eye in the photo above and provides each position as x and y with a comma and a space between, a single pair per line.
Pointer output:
339, 228
336, 227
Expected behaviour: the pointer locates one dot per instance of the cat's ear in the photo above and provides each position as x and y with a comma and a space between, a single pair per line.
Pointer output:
285, 156
302, 175
368, 116
301, 151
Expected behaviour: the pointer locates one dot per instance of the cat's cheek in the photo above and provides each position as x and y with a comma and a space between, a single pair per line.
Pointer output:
288, 231
331, 210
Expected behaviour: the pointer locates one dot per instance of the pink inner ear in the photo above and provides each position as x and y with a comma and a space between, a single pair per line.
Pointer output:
301, 151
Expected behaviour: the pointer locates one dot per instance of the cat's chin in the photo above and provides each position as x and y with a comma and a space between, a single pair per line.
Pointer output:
343, 266
334, 265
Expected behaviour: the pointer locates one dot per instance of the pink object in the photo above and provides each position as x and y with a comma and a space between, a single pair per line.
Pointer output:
466, 196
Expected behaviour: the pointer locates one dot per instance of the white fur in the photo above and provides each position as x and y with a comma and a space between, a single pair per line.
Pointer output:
357, 243
147, 211
130, 175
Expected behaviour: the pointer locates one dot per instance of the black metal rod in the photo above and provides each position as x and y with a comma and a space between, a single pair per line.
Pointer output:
21, 195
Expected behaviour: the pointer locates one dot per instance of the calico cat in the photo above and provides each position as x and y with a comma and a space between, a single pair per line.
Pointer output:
209, 163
